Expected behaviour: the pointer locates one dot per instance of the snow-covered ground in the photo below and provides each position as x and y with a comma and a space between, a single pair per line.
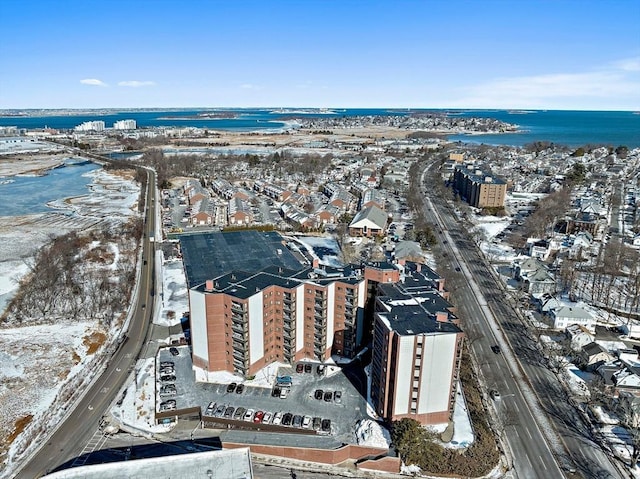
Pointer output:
265, 378
41, 367
136, 411
325, 248
175, 297
373, 434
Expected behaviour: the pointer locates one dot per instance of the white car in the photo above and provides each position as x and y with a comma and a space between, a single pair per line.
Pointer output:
306, 422
248, 416
284, 392
277, 418
266, 419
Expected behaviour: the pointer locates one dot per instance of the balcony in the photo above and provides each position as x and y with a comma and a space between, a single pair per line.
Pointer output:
240, 337
239, 328
288, 299
239, 347
238, 308
239, 357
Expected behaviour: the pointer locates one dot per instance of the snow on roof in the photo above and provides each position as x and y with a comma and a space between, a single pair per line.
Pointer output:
230, 464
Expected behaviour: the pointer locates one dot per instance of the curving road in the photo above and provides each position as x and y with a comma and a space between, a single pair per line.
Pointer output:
81, 422
546, 435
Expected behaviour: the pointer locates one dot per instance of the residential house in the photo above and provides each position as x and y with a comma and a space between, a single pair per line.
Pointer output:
579, 336
594, 355
370, 221
573, 314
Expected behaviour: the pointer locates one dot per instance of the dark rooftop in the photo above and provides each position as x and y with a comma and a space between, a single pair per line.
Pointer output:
413, 319
209, 255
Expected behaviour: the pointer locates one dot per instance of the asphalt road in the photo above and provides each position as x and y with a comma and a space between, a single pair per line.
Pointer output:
532, 456
80, 424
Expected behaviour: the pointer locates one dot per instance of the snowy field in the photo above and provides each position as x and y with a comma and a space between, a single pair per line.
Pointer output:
42, 366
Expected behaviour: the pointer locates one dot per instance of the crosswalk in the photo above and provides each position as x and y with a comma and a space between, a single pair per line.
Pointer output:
96, 443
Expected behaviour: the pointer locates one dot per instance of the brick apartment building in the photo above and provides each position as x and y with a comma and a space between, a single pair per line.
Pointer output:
254, 299
479, 189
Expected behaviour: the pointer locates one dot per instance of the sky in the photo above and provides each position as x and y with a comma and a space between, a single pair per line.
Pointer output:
504, 54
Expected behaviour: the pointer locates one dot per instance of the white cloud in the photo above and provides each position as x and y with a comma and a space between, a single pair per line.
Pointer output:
628, 64
136, 83
616, 85
93, 82
250, 86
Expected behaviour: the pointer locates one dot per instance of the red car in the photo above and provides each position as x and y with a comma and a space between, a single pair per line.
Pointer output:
258, 416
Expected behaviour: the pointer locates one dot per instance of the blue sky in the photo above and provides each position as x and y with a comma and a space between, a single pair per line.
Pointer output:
553, 54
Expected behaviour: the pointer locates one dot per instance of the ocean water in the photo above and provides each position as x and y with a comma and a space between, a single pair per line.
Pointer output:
23, 195
571, 128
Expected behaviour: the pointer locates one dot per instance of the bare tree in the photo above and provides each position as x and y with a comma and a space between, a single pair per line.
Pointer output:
629, 411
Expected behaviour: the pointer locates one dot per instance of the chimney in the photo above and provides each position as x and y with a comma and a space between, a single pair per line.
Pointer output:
418, 267
316, 262
208, 286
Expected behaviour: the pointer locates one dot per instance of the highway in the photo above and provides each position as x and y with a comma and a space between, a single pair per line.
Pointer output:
82, 421
545, 434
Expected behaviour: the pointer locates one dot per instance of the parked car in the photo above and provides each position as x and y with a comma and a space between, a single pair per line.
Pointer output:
228, 413
318, 394
276, 392
308, 368
258, 416
174, 351
231, 387
239, 414
248, 415
496, 349
168, 390
317, 423
266, 419
320, 369
328, 396
240, 389
167, 364
169, 405
284, 392
337, 397
277, 418
167, 378
325, 425
299, 368
297, 421
495, 395
219, 411
306, 422
210, 409
167, 370
286, 419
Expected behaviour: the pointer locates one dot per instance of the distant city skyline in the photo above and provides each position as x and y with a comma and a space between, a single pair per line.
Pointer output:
574, 55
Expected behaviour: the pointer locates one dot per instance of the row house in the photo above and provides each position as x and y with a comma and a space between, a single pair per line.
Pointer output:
298, 217
239, 212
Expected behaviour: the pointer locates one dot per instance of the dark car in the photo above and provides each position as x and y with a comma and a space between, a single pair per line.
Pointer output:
318, 394
457, 268
325, 425
240, 389
239, 414
317, 423
276, 392
299, 368
231, 387
337, 397
297, 421
167, 378
286, 419
320, 369
328, 396
308, 368
496, 349
219, 411
228, 413
174, 351
167, 364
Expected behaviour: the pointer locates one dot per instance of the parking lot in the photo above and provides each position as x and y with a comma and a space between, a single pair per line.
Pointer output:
342, 412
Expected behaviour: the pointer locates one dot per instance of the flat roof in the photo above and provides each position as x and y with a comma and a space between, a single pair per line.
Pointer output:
230, 464
210, 255
409, 320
